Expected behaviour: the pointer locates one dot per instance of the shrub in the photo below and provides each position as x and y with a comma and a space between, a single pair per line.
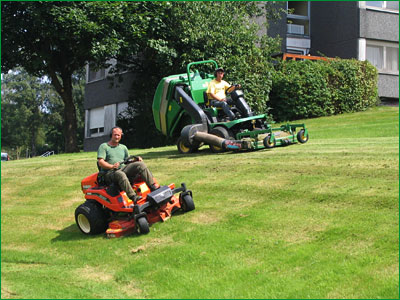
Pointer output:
306, 89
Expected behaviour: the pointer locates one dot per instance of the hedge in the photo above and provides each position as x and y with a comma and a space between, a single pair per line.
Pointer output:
307, 89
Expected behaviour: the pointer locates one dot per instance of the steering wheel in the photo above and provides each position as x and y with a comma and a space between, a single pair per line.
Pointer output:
130, 159
233, 85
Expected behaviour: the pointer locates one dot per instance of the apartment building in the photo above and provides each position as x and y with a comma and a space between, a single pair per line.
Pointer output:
105, 98
365, 30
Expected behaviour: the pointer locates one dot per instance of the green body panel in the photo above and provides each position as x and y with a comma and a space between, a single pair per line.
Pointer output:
166, 112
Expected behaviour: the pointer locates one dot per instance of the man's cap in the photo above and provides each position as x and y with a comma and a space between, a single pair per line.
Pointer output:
220, 70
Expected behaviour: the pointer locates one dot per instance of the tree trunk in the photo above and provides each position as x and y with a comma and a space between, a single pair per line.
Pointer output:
33, 141
18, 151
70, 136
70, 127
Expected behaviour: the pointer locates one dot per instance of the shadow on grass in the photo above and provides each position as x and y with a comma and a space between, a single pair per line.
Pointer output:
72, 233
172, 154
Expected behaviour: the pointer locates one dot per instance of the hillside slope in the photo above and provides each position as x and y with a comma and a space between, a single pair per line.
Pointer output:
318, 220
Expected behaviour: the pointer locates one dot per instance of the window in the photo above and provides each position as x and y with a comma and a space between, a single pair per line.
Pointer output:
299, 8
96, 121
94, 74
384, 56
295, 29
375, 56
389, 5
375, 3
122, 109
392, 5
392, 59
111, 67
298, 18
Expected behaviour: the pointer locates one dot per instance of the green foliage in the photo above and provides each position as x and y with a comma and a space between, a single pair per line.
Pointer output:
22, 100
64, 36
32, 113
59, 38
183, 32
306, 89
312, 221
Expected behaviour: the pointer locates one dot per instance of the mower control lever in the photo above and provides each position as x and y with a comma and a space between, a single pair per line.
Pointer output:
181, 189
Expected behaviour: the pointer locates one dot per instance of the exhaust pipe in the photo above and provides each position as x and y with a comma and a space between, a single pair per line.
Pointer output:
191, 134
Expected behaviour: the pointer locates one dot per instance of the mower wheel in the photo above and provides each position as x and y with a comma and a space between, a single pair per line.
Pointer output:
183, 148
143, 225
187, 203
269, 142
222, 133
91, 218
302, 137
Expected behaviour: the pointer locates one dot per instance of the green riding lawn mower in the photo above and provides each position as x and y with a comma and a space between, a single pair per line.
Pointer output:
181, 110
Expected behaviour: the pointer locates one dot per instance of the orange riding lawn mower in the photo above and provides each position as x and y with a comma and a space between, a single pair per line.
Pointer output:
108, 209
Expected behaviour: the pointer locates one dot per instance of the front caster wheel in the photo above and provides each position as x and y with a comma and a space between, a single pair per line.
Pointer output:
143, 225
302, 137
184, 148
187, 203
269, 141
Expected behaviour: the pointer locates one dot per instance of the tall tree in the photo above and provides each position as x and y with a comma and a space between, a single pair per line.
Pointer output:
59, 38
183, 32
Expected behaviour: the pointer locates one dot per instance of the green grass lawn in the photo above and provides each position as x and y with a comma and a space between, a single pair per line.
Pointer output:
319, 220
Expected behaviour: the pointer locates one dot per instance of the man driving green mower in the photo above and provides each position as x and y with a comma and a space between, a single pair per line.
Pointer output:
216, 93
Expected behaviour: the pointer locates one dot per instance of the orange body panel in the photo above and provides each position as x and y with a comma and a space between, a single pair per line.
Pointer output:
118, 228
89, 182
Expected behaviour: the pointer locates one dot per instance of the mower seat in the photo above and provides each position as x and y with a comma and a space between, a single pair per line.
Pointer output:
209, 108
207, 102
100, 178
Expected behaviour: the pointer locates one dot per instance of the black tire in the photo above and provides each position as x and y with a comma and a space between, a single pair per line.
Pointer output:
268, 143
222, 133
187, 203
91, 218
184, 148
142, 225
301, 137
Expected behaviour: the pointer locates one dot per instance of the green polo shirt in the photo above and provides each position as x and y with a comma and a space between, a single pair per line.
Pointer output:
112, 154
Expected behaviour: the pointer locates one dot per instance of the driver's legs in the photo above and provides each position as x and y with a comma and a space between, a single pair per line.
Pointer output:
119, 177
139, 168
225, 107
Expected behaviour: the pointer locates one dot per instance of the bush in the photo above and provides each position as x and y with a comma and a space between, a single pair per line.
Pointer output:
255, 76
306, 89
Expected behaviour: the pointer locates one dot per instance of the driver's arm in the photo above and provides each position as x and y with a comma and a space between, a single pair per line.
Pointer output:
233, 87
214, 96
107, 166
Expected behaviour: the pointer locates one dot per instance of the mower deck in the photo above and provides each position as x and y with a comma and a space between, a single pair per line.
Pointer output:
124, 227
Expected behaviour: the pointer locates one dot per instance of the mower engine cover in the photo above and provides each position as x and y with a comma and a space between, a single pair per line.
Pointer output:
160, 196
